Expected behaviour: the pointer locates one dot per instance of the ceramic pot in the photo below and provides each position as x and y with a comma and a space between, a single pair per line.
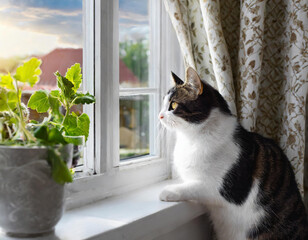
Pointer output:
31, 202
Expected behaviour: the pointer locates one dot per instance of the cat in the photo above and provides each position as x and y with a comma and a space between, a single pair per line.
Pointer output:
245, 179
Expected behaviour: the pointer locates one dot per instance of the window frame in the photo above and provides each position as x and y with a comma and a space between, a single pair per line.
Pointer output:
88, 73
153, 89
109, 91
106, 175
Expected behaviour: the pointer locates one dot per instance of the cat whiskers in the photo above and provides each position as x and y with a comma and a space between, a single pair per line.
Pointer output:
172, 123
161, 130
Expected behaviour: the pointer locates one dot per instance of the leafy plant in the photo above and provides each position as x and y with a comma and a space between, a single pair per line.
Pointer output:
14, 115
57, 128
71, 124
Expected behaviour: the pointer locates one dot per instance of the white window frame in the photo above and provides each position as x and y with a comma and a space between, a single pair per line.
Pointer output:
153, 89
108, 176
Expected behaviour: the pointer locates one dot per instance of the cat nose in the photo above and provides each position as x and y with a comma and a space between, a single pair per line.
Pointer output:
160, 116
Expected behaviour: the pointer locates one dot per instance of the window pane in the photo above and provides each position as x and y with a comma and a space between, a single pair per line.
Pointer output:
134, 34
48, 30
134, 126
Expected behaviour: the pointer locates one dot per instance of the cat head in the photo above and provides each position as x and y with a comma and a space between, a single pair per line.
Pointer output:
190, 102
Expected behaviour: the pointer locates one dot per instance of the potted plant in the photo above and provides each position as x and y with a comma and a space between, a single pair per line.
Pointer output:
35, 157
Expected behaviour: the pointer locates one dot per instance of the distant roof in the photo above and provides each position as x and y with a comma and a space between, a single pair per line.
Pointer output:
61, 59
126, 75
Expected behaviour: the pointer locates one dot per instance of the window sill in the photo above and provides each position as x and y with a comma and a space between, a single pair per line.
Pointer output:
136, 215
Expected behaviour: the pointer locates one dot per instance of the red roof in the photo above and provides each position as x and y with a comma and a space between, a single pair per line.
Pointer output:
57, 60
126, 75
61, 59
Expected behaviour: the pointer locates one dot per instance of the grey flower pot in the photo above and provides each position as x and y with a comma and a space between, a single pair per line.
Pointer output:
31, 202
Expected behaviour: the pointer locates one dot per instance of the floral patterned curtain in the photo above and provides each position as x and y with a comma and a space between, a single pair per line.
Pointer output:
255, 53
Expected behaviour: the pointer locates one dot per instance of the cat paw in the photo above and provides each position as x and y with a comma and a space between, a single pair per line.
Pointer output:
169, 194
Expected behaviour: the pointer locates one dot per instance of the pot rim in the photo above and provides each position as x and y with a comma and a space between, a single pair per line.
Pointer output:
32, 147
22, 147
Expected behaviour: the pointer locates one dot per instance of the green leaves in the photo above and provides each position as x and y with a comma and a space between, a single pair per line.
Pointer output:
71, 127
76, 140
29, 72
56, 137
8, 100
66, 86
3, 100
53, 137
6, 81
59, 170
41, 133
70, 122
83, 125
56, 130
49, 136
12, 99
55, 104
71, 82
39, 101
8, 93
84, 98
74, 75
77, 126
42, 101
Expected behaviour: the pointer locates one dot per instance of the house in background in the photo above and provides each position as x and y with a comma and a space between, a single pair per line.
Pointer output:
61, 59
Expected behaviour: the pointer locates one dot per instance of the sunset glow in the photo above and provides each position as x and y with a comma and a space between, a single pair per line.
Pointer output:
37, 27
18, 42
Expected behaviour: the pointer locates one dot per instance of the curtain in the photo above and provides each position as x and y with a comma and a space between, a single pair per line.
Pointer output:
255, 53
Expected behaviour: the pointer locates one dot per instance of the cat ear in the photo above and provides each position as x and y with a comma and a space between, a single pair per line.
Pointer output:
176, 79
194, 80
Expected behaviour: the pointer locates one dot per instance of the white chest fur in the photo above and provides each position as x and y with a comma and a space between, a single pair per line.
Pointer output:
204, 153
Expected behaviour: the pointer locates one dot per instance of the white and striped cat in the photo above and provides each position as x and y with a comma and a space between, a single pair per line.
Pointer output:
245, 179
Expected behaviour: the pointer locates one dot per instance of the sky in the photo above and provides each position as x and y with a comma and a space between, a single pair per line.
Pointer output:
133, 20
34, 27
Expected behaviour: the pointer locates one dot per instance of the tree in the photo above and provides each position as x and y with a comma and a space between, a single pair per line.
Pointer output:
135, 57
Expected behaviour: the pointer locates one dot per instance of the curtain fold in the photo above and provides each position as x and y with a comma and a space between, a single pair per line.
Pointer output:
250, 61
219, 52
255, 53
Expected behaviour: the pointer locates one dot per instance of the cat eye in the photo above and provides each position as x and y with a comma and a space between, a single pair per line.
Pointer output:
174, 105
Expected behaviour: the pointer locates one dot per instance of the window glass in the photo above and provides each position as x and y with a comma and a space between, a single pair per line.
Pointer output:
134, 32
48, 30
134, 126
134, 72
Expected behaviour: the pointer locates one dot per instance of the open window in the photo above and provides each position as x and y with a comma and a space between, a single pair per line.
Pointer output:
119, 46
126, 64
53, 33
138, 79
